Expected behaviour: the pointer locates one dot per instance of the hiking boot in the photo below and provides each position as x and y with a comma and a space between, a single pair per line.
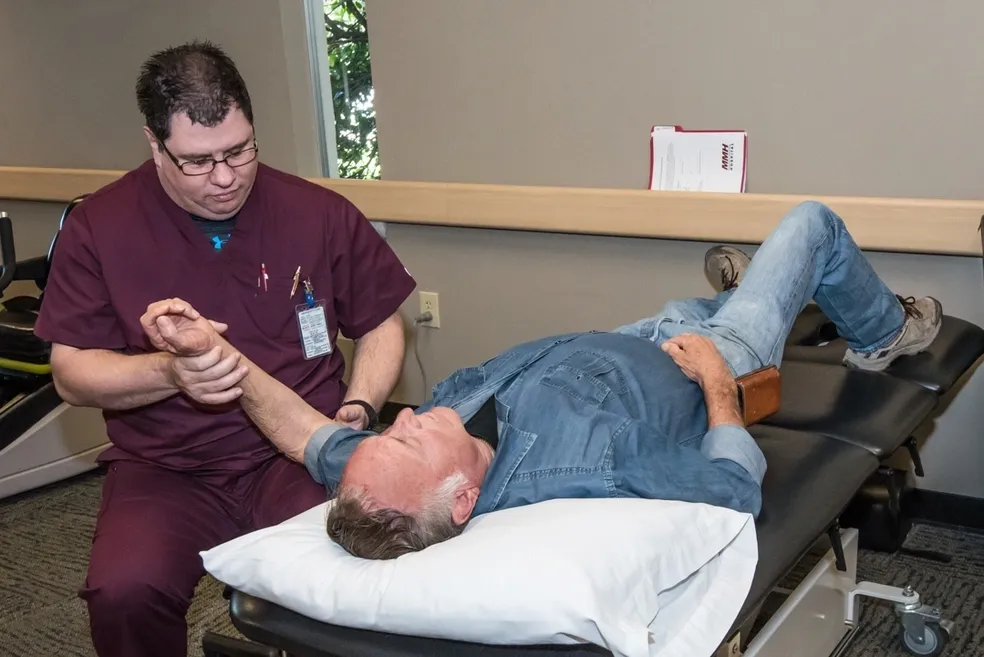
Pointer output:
724, 267
923, 319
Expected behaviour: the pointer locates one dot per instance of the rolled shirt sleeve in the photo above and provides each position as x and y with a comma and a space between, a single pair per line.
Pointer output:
329, 449
733, 443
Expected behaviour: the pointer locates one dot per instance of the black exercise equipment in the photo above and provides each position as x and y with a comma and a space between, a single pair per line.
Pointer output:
42, 439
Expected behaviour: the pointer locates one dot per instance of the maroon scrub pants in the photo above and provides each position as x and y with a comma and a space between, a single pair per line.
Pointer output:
152, 524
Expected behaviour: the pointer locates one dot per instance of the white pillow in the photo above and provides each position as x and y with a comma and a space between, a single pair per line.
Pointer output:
640, 577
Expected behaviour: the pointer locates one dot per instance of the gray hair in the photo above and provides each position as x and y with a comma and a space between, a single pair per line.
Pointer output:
388, 533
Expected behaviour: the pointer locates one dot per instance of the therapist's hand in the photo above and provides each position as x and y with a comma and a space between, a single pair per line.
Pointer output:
204, 367
212, 378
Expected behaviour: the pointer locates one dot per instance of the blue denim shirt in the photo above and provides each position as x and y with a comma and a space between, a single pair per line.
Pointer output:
587, 415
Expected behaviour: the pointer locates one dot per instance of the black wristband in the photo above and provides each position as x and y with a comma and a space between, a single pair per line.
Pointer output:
367, 407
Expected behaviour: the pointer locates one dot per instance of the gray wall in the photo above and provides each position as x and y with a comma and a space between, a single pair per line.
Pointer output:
69, 70
881, 98
552, 92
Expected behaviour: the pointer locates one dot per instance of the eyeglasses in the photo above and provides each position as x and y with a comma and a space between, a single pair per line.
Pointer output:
207, 165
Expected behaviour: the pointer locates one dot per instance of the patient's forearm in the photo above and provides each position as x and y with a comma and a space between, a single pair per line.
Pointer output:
278, 412
728, 443
721, 399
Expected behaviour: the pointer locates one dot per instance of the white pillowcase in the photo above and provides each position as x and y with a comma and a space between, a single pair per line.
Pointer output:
640, 577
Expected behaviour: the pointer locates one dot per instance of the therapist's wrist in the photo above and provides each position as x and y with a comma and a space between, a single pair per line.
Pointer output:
162, 363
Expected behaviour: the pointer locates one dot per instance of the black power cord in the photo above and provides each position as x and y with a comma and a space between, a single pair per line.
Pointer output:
418, 320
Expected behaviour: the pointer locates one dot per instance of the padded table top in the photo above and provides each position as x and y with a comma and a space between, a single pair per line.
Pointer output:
868, 409
810, 480
956, 349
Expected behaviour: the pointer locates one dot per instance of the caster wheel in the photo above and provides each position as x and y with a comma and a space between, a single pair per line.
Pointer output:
934, 641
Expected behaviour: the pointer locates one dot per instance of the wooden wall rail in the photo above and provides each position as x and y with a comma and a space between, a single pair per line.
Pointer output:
881, 224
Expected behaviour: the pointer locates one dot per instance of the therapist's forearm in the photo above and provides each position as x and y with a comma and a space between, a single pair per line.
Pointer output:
278, 412
377, 363
109, 380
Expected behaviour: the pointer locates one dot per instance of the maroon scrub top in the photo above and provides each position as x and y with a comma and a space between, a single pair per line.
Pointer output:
129, 245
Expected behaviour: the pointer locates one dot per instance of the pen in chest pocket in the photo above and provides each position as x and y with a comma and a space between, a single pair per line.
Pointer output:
297, 278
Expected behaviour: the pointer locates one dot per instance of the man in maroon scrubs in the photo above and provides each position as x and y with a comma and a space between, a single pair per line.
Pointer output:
283, 263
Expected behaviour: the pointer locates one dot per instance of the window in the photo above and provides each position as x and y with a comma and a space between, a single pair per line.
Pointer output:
343, 75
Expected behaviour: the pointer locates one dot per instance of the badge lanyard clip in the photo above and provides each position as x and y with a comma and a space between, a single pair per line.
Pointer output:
308, 293
313, 325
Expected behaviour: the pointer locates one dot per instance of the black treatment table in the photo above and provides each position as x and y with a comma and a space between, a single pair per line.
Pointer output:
958, 346
877, 410
801, 465
834, 429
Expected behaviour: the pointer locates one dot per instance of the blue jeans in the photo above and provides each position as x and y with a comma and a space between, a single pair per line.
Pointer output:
809, 256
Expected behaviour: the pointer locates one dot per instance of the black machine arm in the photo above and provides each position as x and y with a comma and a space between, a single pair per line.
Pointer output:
7, 252
33, 269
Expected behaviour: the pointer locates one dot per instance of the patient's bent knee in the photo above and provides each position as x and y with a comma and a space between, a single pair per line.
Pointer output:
812, 216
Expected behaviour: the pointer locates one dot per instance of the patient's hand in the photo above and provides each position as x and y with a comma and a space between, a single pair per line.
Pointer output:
196, 333
205, 367
352, 416
699, 359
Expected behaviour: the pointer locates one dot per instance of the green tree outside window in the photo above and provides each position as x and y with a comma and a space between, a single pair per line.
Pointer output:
351, 88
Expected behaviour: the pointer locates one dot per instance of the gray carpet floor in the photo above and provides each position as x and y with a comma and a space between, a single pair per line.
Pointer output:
45, 537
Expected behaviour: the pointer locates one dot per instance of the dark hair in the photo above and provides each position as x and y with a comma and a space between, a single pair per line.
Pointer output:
197, 78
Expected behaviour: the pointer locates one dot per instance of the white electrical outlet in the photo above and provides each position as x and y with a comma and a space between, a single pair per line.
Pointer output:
428, 304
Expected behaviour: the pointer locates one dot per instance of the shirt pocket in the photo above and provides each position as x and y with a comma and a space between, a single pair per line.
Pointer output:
586, 376
274, 311
567, 451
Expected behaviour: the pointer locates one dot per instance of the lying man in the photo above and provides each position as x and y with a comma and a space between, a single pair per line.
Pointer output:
649, 410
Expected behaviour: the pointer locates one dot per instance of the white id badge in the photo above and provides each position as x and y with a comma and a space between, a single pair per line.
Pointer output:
313, 326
